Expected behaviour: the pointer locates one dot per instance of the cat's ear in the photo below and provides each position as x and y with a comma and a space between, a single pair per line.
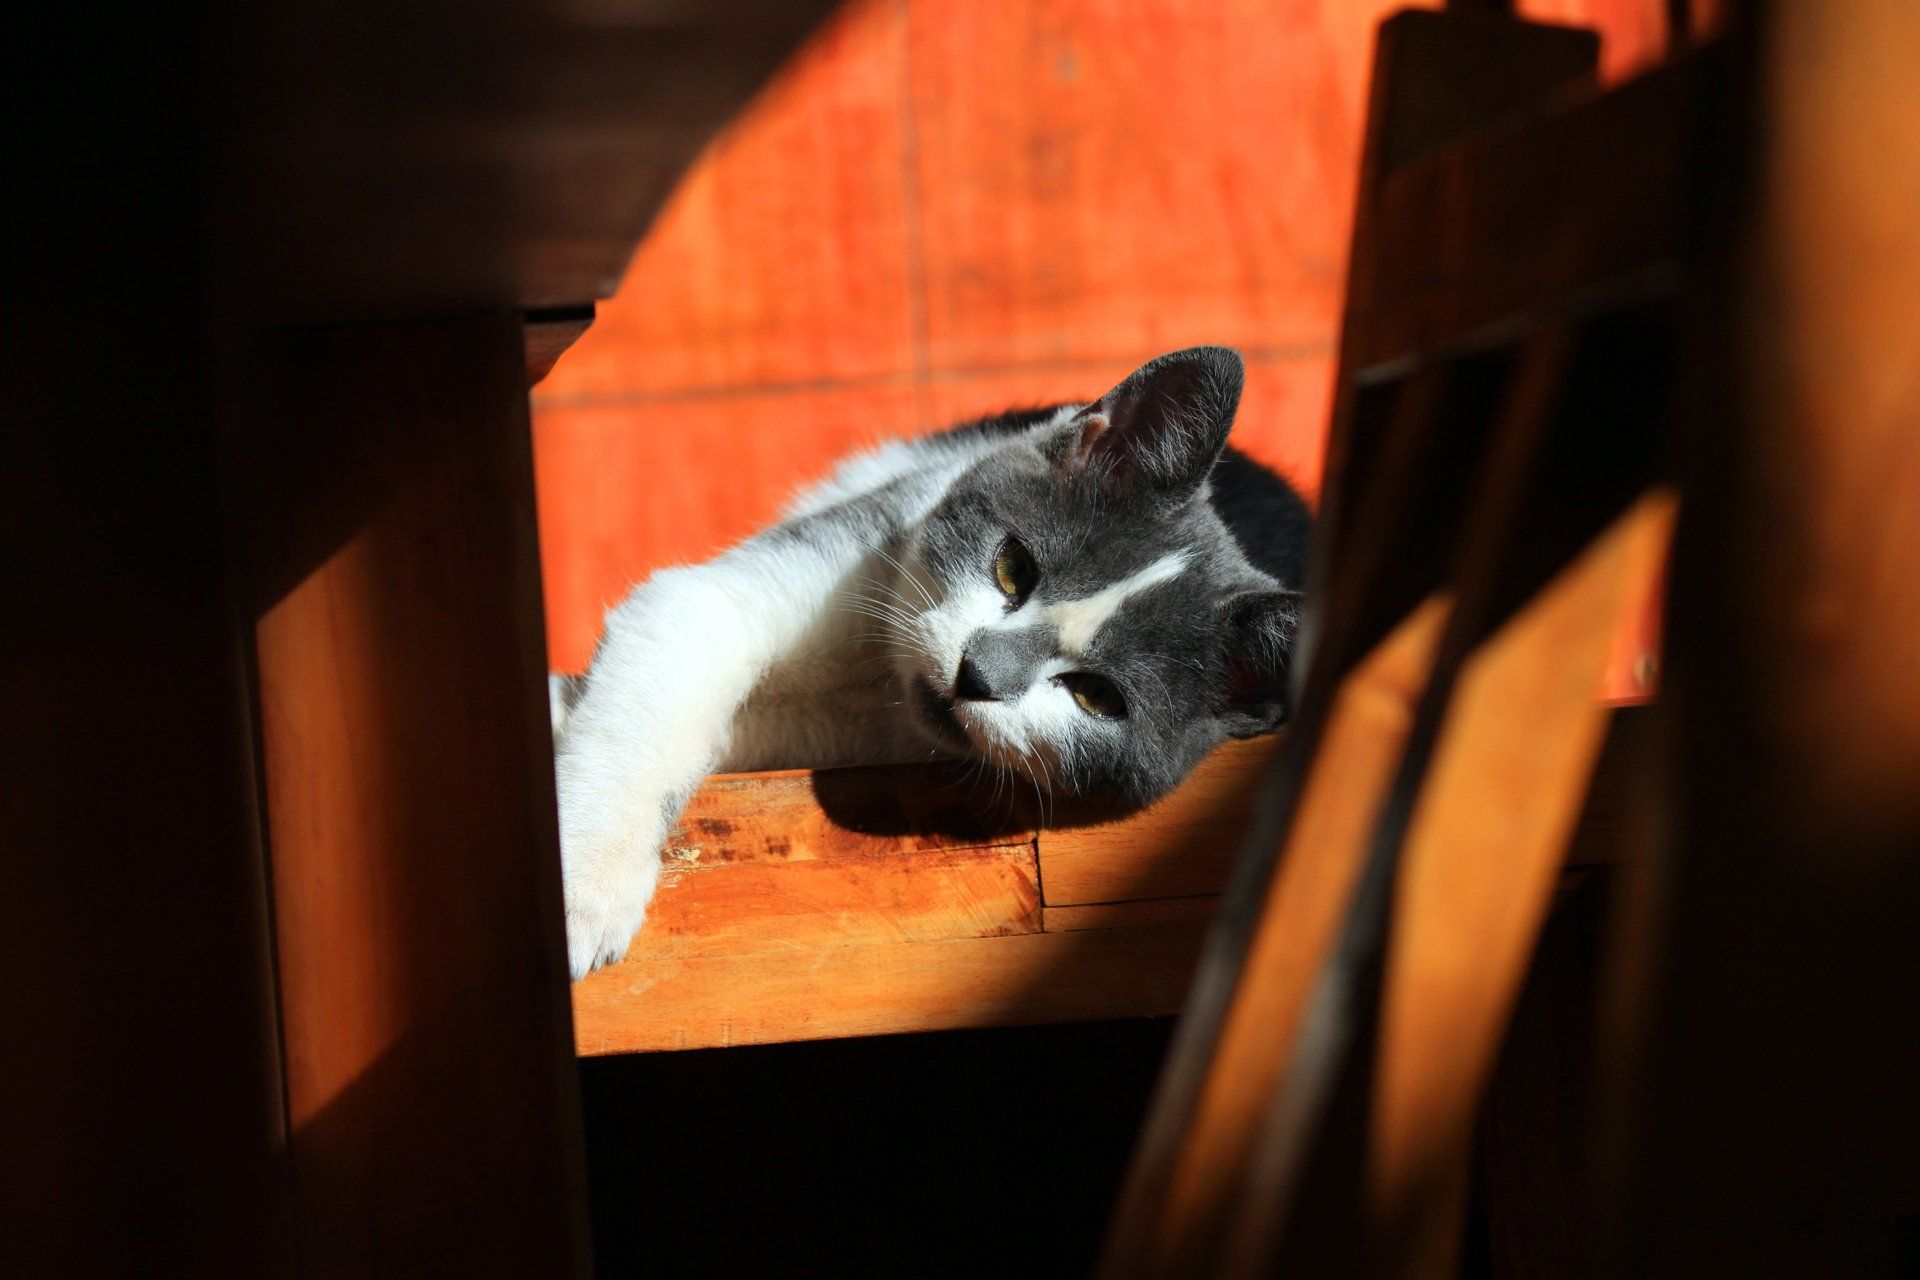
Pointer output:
1164, 426
1257, 630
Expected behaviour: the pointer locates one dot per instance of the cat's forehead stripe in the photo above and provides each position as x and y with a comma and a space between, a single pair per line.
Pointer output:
1078, 621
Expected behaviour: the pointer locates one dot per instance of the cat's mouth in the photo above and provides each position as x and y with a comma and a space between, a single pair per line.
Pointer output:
937, 713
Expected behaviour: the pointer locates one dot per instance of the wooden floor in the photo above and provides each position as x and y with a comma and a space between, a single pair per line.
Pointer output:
809, 905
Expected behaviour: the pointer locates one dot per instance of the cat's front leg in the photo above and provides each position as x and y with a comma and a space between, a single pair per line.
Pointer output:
678, 658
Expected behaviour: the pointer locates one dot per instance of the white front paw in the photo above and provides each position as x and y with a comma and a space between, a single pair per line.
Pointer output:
604, 912
609, 879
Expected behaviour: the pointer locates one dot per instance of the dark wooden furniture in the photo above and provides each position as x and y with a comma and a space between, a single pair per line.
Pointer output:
1571, 313
285, 983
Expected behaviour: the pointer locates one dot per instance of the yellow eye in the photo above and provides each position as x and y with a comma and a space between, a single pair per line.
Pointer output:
1096, 695
1015, 571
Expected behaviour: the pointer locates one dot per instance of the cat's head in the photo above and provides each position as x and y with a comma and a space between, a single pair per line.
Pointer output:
1078, 610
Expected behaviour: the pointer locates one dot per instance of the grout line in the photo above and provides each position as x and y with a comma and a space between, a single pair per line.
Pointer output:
919, 378
913, 213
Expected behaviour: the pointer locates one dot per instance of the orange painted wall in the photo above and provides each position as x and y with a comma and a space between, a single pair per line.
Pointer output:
943, 208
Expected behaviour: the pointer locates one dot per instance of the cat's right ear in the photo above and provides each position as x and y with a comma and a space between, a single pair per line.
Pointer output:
1163, 427
1256, 657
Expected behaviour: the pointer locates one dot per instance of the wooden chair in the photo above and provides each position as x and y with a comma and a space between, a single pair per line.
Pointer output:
1542, 316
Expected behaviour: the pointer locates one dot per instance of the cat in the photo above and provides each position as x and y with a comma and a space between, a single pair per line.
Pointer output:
1093, 595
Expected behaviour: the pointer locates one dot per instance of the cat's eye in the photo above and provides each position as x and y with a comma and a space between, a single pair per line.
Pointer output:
1014, 571
1096, 695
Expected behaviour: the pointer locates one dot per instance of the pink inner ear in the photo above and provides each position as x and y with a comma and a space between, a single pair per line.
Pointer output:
1092, 427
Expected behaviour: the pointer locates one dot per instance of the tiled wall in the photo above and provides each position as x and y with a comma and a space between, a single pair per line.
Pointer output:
943, 208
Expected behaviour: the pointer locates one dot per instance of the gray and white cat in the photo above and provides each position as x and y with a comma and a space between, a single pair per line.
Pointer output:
1092, 595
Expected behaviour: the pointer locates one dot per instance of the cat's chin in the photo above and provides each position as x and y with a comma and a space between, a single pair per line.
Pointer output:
935, 713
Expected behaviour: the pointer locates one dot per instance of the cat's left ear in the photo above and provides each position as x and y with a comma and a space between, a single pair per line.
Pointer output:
1164, 426
1258, 629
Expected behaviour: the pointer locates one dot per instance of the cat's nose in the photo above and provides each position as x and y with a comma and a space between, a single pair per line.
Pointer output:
969, 685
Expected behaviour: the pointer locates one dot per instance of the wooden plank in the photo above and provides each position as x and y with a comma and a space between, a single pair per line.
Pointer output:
1552, 479
687, 1002
476, 155
1482, 854
1114, 915
1181, 846
748, 907
798, 815
773, 872
409, 800
1432, 81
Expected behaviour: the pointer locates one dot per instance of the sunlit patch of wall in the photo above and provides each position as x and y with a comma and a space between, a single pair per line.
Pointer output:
944, 208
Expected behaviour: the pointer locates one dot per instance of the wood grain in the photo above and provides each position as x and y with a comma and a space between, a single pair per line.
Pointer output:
1101, 181
1482, 854
1115, 915
409, 806
1181, 846
796, 815
683, 1002
746, 907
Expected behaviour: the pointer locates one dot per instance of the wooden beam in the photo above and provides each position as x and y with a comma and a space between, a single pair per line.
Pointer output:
549, 332
409, 802
688, 1002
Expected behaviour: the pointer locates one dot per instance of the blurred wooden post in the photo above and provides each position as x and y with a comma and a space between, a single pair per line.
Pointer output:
1771, 1115
412, 841
222, 455
140, 1126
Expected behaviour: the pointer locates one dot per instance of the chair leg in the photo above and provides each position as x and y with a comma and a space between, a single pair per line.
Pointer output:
409, 805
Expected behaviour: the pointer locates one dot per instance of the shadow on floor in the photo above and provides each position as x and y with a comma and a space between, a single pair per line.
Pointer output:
962, 1153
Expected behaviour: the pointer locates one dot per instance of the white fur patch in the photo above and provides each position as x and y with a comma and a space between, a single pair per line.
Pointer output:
1080, 620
